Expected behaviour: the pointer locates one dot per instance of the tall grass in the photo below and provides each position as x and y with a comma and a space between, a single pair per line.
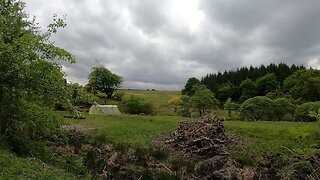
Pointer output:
13, 167
268, 138
129, 129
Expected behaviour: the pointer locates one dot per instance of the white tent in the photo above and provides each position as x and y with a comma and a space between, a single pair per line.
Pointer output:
104, 109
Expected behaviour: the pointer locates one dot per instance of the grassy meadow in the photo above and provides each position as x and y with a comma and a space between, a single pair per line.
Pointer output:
266, 138
132, 130
261, 138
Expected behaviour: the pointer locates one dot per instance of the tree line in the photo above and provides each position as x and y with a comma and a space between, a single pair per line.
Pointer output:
274, 92
246, 82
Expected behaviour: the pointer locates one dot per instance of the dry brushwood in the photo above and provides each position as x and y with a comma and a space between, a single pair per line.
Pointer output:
205, 137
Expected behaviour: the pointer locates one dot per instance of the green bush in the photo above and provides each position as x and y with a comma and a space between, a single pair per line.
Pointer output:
280, 108
85, 99
118, 95
58, 106
256, 108
137, 105
302, 112
33, 129
185, 106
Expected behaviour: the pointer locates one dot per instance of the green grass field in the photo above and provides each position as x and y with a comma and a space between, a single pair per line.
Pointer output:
260, 139
129, 129
263, 138
269, 138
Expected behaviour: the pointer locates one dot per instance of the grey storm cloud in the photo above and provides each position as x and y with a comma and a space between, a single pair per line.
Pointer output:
160, 44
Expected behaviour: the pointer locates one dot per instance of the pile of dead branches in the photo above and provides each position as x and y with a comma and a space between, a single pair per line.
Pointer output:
204, 137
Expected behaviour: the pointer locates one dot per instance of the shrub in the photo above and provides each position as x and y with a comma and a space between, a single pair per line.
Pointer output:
256, 108
85, 99
203, 100
280, 108
302, 112
137, 105
58, 106
118, 95
185, 107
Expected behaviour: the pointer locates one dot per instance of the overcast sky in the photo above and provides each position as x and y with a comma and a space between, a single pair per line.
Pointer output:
160, 44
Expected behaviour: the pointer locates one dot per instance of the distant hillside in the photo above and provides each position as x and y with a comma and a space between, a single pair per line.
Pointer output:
158, 98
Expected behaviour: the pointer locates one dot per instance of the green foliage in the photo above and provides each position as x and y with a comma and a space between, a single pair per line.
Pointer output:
248, 89
103, 80
70, 163
137, 105
229, 106
27, 74
46, 83
13, 167
79, 96
129, 129
203, 100
281, 107
118, 95
185, 107
189, 88
225, 91
267, 83
86, 99
304, 84
175, 102
286, 139
215, 80
255, 109
30, 131
302, 112
314, 114
278, 94
158, 98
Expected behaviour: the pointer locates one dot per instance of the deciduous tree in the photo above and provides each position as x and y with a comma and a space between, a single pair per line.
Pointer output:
28, 76
248, 89
103, 80
267, 83
203, 100
190, 86
304, 84
229, 106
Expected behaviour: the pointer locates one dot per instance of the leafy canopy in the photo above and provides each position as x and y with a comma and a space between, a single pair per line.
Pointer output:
203, 100
267, 83
248, 88
189, 88
29, 76
103, 80
256, 108
304, 84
